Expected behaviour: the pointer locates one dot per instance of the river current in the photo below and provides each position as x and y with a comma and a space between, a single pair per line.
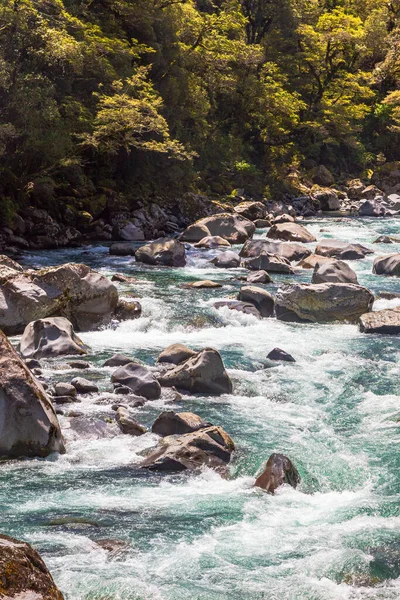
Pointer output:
335, 413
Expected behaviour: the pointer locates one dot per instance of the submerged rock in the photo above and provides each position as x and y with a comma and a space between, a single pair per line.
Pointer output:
139, 379
117, 360
387, 265
28, 425
385, 321
164, 251
278, 354
172, 423
23, 573
322, 302
204, 284
175, 354
336, 271
211, 447
342, 250
292, 232
78, 364
278, 470
234, 228
204, 373
245, 307
261, 299
49, 337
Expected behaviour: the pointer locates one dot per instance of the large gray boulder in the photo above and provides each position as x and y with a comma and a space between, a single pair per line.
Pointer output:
322, 302
85, 297
278, 470
226, 260
164, 252
234, 228
28, 424
342, 250
172, 423
23, 573
202, 374
269, 262
387, 265
261, 299
139, 379
385, 321
175, 354
50, 337
372, 208
292, 232
336, 271
288, 250
211, 447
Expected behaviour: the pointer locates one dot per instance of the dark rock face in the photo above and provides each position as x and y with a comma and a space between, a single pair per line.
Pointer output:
278, 354
164, 252
328, 199
127, 310
387, 265
28, 424
234, 228
336, 271
117, 360
86, 298
122, 249
292, 232
139, 379
372, 208
175, 354
251, 210
202, 374
323, 302
245, 307
172, 423
23, 574
279, 470
227, 260
381, 321
50, 337
211, 446
342, 250
261, 299
289, 251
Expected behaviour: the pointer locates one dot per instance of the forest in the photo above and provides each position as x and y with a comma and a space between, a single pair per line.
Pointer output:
147, 99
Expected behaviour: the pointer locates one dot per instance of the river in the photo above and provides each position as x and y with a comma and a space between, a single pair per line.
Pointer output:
335, 413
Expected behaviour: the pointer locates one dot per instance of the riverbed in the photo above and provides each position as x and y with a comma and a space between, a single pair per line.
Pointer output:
197, 536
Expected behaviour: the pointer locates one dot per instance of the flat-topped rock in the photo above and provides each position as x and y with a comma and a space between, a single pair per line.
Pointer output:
172, 423
291, 232
269, 262
289, 250
310, 261
342, 250
203, 284
244, 307
175, 354
385, 321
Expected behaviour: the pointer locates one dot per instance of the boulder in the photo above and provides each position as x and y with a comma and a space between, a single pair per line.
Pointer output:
127, 310
310, 261
172, 423
122, 249
327, 199
211, 447
251, 210
334, 270
84, 386
175, 354
259, 277
8, 268
355, 189
372, 208
64, 389
278, 354
321, 176
387, 177
269, 262
127, 423
212, 241
227, 260
164, 251
86, 298
260, 298
28, 423
139, 379
292, 232
387, 265
49, 337
117, 360
79, 364
287, 250
282, 219
262, 223
385, 321
204, 373
128, 232
278, 471
342, 250
204, 284
245, 307
23, 573
234, 228
322, 302
387, 239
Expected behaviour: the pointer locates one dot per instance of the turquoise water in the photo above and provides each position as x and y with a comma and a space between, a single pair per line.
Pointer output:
335, 413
